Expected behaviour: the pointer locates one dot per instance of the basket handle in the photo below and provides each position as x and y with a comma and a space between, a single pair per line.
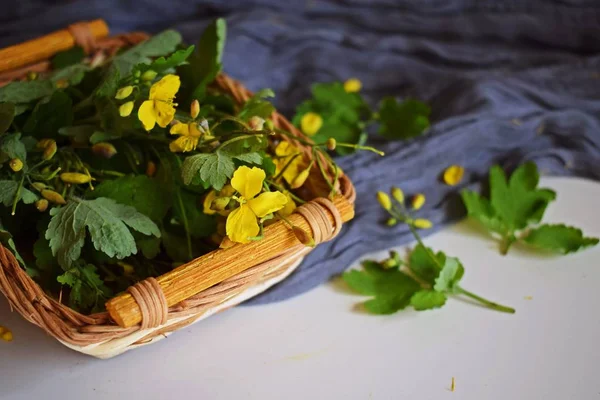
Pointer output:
47, 46
217, 266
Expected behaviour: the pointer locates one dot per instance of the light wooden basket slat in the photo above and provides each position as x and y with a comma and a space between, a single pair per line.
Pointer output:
221, 279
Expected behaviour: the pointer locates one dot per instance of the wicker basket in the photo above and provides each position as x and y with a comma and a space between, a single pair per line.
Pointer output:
154, 308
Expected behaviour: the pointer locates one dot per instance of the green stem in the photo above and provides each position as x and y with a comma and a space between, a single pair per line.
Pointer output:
323, 172
506, 242
282, 189
235, 139
18, 194
487, 303
186, 225
356, 147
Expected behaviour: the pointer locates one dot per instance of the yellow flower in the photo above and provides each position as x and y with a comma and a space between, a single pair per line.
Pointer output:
160, 107
418, 201
422, 223
126, 109
189, 136
227, 191
352, 85
398, 194
453, 175
289, 157
289, 207
242, 223
384, 200
311, 123
124, 92
194, 109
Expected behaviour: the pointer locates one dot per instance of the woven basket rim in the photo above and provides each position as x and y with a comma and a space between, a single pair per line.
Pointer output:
74, 328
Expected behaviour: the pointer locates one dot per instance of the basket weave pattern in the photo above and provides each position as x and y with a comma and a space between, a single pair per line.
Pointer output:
98, 334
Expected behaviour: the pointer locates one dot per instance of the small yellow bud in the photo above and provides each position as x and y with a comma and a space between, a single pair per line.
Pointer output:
150, 169
304, 237
453, 175
422, 223
311, 123
331, 144
53, 197
124, 92
126, 109
41, 205
389, 263
104, 149
127, 268
149, 75
7, 336
418, 201
398, 194
301, 178
32, 76
75, 178
16, 164
391, 222
39, 186
62, 83
352, 85
220, 203
195, 109
49, 147
270, 125
384, 200
256, 123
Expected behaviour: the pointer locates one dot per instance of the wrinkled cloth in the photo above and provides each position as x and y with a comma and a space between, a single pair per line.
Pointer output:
508, 81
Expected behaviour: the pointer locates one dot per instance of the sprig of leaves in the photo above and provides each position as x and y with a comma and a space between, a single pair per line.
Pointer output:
515, 208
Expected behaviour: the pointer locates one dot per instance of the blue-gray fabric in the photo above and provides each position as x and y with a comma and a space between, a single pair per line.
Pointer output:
507, 81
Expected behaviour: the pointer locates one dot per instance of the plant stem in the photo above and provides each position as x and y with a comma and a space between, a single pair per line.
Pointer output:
186, 225
506, 242
487, 303
235, 139
18, 194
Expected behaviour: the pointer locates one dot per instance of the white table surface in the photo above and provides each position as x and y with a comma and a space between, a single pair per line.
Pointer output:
318, 346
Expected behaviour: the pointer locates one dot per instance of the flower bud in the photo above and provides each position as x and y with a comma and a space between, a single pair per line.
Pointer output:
422, 223
149, 75
331, 144
301, 178
49, 147
310, 123
126, 109
39, 186
7, 336
124, 92
389, 263
270, 125
256, 123
62, 83
220, 203
418, 201
53, 197
195, 109
453, 175
352, 85
41, 205
398, 194
384, 200
128, 269
137, 73
104, 150
150, 169
75, 178
16, 164
304, 237
32, 76
391, 222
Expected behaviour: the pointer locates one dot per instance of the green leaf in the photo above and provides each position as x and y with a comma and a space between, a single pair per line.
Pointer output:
25, 91
257, 106
7, 114
43, 254
250, 158
403, 120
145, 194
149, 245
480, 208
174, 60
175, 246
107, 223
7, 240
73, 74
87, 289
205, 63
158, 45
68, 57
559, 238
98, 137
81, 134
214, 168
8, 191
268, 165
11, 146
110, 83
451, 273
392, 289
427, 300
188, 207
423, 265
50, 115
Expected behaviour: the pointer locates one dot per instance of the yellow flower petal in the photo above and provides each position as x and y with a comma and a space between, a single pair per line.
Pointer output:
289, 207
352, 85
183, 144
146, 115
208, 199
180, 129
284, 149
248, 181
124, 92
242, 224
422, 223
311, 123
126, 109
300, 178
166, 88
418, 201
267, 203
164, 112
453, 175
227, 191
